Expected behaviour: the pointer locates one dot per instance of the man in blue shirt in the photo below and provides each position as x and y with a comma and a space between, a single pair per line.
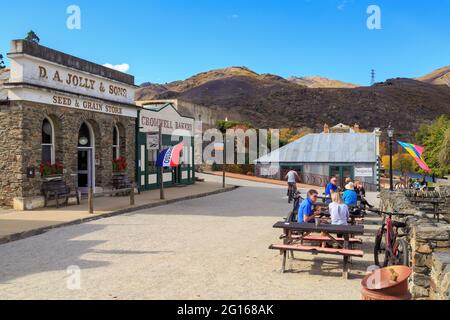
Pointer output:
331, 187
306, 212
350, 196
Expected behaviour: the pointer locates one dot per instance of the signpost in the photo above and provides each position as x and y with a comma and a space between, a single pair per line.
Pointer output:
161, 169
220, 146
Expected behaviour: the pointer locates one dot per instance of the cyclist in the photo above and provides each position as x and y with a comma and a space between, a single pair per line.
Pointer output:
292, 178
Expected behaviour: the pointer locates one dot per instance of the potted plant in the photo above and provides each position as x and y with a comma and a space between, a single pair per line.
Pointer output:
120, 178
120, 166
51, 171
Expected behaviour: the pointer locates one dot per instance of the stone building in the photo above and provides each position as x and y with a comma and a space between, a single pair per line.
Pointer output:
59, 109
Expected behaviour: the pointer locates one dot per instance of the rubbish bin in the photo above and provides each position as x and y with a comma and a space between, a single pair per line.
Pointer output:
390, 283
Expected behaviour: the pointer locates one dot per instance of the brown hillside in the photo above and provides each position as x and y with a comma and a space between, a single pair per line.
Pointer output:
438, 77
271, 101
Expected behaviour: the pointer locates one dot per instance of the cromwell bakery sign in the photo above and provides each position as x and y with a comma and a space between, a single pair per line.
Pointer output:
168, 119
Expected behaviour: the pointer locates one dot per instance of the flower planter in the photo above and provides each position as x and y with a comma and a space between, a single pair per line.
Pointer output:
55, 177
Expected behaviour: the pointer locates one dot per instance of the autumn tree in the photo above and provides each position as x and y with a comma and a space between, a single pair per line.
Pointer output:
435, 139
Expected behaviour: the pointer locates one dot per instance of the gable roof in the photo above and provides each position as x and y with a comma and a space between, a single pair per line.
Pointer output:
327, 148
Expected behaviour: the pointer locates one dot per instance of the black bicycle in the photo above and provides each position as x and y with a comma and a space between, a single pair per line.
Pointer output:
390, 246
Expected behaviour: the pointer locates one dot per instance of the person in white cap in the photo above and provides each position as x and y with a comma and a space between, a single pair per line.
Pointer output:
350, 196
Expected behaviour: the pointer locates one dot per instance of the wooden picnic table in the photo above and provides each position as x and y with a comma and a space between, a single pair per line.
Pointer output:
328, 232
435, 202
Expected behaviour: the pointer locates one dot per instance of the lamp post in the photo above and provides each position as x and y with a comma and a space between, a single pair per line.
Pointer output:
390, 132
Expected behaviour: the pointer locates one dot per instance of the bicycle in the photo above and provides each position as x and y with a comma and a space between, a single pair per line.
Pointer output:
390, 247
292, 190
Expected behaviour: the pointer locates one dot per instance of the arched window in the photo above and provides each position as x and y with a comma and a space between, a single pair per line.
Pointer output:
116, 143
48, 142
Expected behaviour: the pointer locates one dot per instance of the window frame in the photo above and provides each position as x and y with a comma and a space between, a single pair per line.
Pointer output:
52, 144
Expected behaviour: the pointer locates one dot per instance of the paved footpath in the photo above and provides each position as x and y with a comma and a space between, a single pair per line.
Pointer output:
209, 248
21, 224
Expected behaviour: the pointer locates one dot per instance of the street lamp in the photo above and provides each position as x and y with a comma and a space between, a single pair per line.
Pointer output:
390, 132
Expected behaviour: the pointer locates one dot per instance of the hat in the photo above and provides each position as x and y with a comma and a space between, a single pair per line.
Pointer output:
350, 186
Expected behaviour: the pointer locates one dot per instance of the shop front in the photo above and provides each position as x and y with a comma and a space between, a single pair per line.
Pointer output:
64, 119
159, 128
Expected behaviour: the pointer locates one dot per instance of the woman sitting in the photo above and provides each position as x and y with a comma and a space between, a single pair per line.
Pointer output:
338, 210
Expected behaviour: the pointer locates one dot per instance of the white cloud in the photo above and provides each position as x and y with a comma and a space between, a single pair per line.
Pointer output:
124, 67
342, 5
234, 16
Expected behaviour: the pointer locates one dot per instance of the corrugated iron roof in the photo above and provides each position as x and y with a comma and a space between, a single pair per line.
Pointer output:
328, 148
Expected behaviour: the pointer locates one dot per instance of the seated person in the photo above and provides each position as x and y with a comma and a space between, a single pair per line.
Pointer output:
338, 210
350, 197
306, 212
331, 187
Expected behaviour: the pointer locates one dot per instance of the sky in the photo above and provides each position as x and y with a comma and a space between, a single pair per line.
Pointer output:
166, 40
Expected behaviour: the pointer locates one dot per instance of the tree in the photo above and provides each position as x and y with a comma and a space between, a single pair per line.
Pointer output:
402, 162
2, 63
444, 155
434, 138
32, 36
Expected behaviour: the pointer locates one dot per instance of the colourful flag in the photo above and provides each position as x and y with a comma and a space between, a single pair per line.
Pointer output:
170, 157
416, 152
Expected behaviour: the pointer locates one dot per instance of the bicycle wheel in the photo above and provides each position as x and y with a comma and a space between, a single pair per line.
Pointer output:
401, 253
379, 252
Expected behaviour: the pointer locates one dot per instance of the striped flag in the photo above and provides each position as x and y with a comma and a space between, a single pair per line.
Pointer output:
416, 152
170, 157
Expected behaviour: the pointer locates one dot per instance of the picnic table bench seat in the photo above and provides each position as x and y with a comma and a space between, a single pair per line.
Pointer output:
317, 238
346, 253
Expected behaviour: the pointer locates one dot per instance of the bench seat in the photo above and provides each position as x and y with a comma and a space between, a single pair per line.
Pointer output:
302, 248
346, 253
325, 239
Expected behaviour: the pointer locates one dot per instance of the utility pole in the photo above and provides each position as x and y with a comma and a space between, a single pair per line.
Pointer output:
372, 77
161, 169
224, 160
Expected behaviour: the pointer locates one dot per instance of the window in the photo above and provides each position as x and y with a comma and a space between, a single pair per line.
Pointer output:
48, 142
116, 143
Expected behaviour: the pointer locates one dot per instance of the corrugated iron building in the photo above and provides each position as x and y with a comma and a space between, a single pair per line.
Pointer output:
317, 157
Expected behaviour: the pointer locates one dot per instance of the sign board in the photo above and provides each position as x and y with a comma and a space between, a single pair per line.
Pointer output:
152, 141
364, 172
70, 101
36, 71
168, 119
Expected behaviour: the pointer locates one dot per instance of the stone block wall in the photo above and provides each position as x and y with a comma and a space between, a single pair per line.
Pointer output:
440, 276
428, 241
20, 146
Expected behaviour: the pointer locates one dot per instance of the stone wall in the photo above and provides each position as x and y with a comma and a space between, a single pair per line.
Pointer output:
20, 145
428, 240
440, 276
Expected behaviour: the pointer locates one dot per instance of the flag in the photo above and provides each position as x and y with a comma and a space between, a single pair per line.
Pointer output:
170, 157
416, 152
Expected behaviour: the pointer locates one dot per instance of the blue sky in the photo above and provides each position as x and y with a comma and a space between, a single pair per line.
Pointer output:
167, 40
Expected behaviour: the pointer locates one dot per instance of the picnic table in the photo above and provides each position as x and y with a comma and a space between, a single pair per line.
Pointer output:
295, 234
435, 202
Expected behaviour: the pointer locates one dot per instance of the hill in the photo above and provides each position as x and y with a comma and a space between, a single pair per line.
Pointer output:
272, 101
437, 77
321, 82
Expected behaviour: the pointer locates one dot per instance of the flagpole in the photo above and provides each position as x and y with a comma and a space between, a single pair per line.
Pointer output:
161, 169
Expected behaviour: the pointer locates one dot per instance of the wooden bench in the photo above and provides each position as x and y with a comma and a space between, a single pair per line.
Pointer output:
294, 232
322, 239
346, 253
56, 190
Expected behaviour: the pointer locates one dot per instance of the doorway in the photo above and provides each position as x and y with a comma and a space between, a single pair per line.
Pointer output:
86, 168
342, 172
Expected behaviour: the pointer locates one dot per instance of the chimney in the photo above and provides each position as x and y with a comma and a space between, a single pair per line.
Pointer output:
326, 128
356, 128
